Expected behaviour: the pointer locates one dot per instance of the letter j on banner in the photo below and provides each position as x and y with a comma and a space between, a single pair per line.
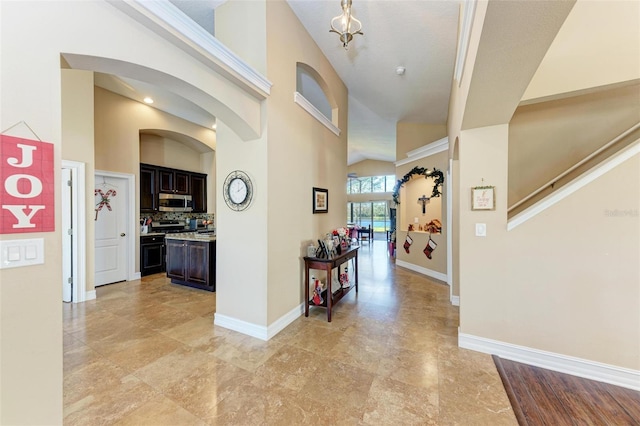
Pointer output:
27, 186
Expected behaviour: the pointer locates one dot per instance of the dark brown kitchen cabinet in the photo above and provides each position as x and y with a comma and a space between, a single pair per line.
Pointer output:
152, 254
148, 189
199, 192
174, 181
176, 254
192, 263
156, 179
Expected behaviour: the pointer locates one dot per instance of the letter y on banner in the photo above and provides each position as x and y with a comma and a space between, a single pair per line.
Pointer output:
26, 186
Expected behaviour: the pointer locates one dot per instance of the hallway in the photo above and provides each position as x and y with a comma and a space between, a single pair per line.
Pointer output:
147, 352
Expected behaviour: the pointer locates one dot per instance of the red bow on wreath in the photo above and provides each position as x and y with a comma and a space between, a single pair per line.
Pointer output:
104, 199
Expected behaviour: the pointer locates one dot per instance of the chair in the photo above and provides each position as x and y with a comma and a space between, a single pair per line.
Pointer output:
365, 234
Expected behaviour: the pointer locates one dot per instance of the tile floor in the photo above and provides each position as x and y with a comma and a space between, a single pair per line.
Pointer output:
147, 353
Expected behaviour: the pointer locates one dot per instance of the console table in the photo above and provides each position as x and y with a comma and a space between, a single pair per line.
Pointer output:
327, 264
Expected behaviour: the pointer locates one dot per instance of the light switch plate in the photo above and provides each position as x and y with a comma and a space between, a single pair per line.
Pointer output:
481, 229
17, 253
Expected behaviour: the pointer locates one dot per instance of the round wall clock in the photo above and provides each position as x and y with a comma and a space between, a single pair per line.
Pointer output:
238, 190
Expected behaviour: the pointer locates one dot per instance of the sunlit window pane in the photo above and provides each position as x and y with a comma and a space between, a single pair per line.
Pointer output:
355, 186
377, 184
391, 182
365, 185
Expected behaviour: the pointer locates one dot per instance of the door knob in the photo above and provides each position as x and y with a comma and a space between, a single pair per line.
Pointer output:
122, 234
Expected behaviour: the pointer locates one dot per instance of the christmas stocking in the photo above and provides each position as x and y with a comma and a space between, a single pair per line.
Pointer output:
407, 243
431, 246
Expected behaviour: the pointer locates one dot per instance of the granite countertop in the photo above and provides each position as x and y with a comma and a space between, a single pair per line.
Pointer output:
190, 236
152, 234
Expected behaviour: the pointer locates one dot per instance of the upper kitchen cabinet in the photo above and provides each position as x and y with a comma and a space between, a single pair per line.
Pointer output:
199, 192
148, 189
158, 179
174, 181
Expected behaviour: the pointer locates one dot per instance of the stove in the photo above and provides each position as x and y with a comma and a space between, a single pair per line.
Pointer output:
168, 226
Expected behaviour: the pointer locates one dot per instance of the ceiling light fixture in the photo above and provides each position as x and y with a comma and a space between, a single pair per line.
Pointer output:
346, 25
148, 100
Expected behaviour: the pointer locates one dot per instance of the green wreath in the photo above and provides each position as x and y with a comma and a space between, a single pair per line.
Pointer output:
435, 174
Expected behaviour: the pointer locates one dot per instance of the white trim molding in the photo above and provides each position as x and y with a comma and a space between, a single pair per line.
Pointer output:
244, 327
89, 295
165, 19
80, 229
422, 270
315, 112
425, 151
583, 180
259, 331
455, 300
468, 13
281, 323
580, 367
449, 191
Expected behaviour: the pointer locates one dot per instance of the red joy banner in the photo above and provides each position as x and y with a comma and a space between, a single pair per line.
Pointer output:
26, 186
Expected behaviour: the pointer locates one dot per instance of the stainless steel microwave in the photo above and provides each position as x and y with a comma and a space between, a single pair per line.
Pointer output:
175, 203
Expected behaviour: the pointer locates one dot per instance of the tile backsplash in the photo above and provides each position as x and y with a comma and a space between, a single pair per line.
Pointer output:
185, 217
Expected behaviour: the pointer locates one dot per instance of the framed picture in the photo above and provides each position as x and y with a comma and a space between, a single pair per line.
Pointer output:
322, 251
483, 198
320, 200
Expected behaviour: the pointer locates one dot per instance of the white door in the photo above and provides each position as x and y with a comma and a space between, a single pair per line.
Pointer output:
110, 203
67, 232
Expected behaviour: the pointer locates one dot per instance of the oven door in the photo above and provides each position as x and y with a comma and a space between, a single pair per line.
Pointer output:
175, 203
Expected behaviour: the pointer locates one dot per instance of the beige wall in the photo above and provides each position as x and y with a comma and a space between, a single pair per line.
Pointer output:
410, 136
77, 134
581, 58
241, 291
241, 26
166, 152
541, 285
372, 168
302, 154
30, 77
563, 132
555, 283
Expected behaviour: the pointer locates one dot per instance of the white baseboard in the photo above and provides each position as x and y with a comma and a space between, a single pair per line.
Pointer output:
244, 327
136, 276
455, 300
258, 331
421, 270
281, 323
587, 369
90, 295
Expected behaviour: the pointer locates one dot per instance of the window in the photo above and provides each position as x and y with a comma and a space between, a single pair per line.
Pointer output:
371, 184
374, 213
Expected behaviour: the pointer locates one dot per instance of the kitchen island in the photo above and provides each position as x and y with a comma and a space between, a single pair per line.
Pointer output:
191, 259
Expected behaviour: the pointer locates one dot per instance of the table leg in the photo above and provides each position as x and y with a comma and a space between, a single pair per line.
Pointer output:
329, 293
306, 291
356, 258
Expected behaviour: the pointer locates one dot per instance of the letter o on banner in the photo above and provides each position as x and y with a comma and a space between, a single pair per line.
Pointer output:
13, 188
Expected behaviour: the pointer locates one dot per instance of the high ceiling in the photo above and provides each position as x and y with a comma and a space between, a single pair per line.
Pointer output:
419, 35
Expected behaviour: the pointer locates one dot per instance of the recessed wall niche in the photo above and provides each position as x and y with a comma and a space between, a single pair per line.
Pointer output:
410, 208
